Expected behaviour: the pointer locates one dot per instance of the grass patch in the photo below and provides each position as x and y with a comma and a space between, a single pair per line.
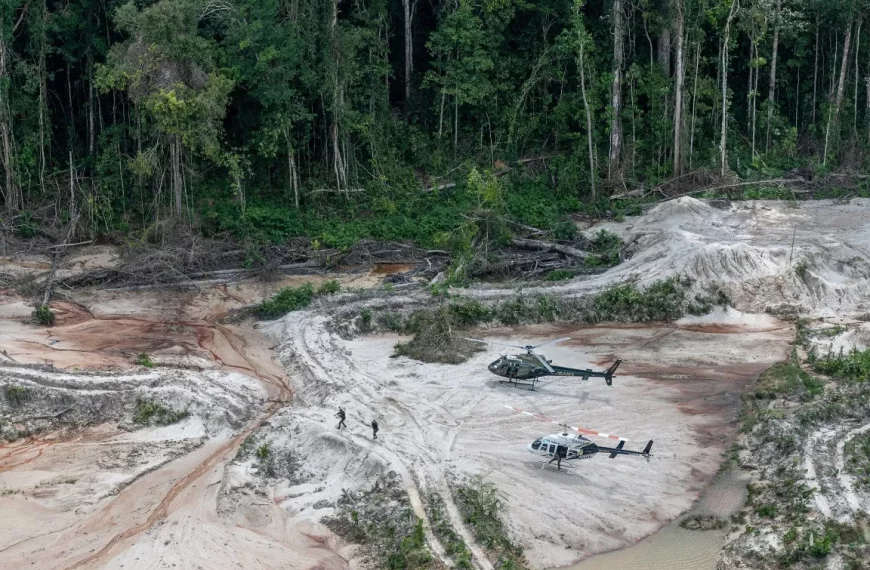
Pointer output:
438, 332
151, 413
853, 366
437, 335
481, 509
857, 455
16, 395
560, 275
443, 529
44, 315
382, 521
263, 451
144, 360
291, 299
661, 301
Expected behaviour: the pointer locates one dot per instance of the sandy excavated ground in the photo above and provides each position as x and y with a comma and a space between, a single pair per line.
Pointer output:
108, 497
678, 386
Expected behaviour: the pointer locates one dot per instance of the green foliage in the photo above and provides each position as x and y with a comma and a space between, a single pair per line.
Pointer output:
857, 456
382, 521
263, 452
436, 335
365, 319
44, 315
800, 269
566, 231
291, 299
455, 547
16, 395
151, 413
662, 300
274, 120
144, 360
481, 508
559, 275
853, 366
328, 287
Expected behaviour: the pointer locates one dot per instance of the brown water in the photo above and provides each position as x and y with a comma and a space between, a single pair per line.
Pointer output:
675, 548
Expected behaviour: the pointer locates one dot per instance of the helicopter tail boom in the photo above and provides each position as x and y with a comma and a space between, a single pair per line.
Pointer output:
618, 450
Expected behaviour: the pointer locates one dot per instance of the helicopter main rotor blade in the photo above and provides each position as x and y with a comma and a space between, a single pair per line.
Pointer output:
563, 339
495, 342
542, 361
577, 429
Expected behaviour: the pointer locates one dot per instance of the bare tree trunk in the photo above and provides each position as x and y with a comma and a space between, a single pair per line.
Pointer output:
91, 133
664, 50
841, 88
857, 79
581, 64
816, 70
771, 88
867, 109
678, 95
724, 64
409, 48
43, 98
292, 173
10, 191
441, 114
797, 100
455, 123
694, 100
177, 188
73, 214
338, 163
754, 93
616, 91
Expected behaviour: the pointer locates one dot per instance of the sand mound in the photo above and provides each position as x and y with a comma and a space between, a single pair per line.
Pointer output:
809, 258
36, 400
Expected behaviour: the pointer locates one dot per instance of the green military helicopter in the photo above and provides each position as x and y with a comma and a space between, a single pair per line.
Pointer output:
527, 368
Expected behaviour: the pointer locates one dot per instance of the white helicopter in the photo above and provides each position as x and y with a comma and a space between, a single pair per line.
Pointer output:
568, 447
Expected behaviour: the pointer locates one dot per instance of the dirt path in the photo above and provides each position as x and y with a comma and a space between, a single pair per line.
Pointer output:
83, 339
680, 387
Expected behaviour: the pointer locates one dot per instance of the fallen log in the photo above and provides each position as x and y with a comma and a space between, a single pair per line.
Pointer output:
549, 246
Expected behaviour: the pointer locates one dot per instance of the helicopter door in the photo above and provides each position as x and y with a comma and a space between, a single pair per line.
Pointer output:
552, 449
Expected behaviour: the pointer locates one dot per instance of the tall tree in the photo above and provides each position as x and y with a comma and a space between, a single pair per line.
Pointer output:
733, 6
771, 88
11, 17
616, 90
679, 80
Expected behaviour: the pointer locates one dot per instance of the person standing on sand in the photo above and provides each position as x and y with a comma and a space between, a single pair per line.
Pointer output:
341, 416
374, 429
561, 451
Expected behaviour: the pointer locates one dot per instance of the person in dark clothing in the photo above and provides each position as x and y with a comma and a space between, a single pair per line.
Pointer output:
341, 416
375, 429
561, 451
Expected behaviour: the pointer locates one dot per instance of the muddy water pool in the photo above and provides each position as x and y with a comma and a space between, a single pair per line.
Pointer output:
675, 548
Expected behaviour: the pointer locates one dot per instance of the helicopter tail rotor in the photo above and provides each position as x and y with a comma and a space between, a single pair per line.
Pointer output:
608, 374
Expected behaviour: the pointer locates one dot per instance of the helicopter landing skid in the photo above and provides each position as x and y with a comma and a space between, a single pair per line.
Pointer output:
566, 467
528, 384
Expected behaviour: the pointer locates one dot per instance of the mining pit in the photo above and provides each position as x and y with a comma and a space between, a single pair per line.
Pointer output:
83, 486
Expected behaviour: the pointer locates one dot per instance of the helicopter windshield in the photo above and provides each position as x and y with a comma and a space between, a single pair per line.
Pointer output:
536, 444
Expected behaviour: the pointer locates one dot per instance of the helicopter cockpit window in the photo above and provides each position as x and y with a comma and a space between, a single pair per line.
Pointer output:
536, 444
